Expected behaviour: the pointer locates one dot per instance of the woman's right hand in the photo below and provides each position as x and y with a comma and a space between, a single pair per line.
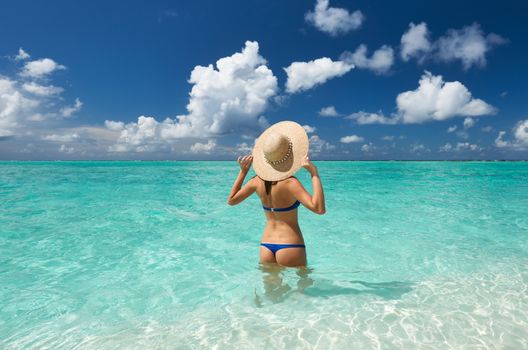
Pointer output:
245, 162
308, 165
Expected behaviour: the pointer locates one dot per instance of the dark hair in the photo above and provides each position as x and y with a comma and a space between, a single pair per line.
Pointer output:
267, 185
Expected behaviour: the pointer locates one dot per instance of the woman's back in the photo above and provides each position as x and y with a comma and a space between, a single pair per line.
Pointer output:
281, 226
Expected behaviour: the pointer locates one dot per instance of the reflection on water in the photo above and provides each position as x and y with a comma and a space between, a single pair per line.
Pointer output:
277, 289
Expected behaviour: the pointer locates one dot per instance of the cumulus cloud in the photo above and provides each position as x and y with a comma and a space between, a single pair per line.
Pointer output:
329, 111
469, 122
380, 61
371, 118
225, 99
42, 90
309, 129
352, 139
24, 101
452, 129
419, 148
243, 148
22, 55
203, 147
466, 146
368, 147
68, 111
143, 136
66, 149
435, 99
520, 134
114, 126
415, 42
460, 147
499, 142
446, 148
333, 20
15, 107
388, 138
318, 145
306, 75
469, 45
61, 138
40, 68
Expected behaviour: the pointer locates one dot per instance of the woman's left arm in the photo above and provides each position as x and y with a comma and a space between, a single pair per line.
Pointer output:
237, 193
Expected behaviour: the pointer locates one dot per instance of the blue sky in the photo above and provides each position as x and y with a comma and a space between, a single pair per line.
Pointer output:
201, 79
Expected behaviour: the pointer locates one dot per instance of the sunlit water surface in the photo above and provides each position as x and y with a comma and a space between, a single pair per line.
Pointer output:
147, 255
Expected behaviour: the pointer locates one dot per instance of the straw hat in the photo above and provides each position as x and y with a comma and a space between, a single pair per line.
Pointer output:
280, 150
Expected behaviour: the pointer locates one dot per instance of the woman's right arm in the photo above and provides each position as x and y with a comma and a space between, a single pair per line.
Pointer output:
315, 202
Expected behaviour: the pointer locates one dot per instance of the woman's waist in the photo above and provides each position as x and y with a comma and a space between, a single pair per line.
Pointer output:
282, 236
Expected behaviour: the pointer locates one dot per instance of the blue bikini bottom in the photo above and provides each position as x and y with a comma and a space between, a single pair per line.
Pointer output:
276, 247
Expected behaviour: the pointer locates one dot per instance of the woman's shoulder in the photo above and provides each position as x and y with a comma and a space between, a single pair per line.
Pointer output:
292, 180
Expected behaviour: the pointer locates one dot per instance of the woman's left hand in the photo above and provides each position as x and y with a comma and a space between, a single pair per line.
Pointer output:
245, 162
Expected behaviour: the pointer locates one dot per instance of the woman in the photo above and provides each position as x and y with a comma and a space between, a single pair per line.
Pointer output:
279, 152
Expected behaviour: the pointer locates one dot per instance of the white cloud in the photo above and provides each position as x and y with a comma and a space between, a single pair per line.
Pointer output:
380, 61
243, 148
22, 55
66, 149
368, 147
452, 129
462, 134
351, 138
468, 45
469, 122
371, 118
466, 146
309, 129
114, 126
224, 99
415, 42
388, 138
329, 111
435, 99
460, 147
446, 148
68, 111
318, 145
499, 142
40, 68
42, 90
488, 128
419, 148
24, 102
15, 107
203, 147
305, 75
333, 20
61, 138
143, 136
520, 133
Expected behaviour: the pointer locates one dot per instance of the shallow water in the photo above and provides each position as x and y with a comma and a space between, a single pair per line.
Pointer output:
137, 255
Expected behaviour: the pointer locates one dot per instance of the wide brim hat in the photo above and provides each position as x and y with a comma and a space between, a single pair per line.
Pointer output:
279, 151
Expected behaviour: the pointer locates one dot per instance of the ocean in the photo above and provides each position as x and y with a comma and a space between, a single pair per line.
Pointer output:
148, 255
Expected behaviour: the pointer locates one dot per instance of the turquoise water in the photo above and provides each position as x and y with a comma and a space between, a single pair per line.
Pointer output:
146, 255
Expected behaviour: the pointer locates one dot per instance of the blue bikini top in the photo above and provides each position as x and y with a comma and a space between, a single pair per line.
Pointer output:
291, 207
